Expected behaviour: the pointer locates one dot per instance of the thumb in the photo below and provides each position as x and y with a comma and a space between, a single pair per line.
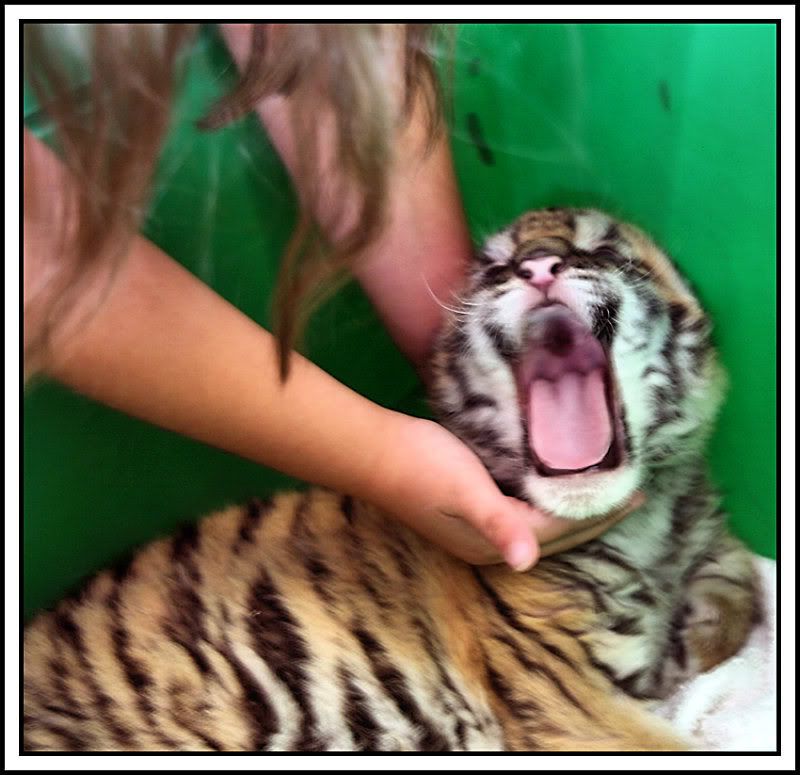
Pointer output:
505, 523
588, 529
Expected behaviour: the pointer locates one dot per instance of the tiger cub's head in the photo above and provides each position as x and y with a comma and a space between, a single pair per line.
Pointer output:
577, 362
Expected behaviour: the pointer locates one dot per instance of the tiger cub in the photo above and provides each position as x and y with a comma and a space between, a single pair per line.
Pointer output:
579, 367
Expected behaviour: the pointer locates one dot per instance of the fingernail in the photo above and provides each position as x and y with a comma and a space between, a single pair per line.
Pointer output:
519, 556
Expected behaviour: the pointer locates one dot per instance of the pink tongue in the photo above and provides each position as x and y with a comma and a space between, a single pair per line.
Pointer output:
568, 420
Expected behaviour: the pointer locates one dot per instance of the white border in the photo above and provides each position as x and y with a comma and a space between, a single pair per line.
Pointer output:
786, 13
424, 12
788, 384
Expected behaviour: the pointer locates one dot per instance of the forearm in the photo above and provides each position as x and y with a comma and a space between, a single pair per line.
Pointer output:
419, 259
167, 349
417, 264
159, 344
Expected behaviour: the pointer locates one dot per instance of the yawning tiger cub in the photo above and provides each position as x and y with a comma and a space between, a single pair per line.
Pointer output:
579, 367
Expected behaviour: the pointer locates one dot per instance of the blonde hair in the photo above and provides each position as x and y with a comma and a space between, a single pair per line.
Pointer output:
109, 131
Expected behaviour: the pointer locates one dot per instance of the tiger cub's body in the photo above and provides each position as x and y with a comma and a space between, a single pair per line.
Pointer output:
313, 622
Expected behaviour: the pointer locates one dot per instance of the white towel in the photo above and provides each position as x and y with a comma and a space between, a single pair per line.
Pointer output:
733, 707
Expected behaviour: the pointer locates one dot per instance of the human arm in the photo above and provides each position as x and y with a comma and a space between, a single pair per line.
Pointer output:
420, 256
160, 345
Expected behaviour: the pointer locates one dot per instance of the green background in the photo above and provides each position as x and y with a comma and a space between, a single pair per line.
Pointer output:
672, 126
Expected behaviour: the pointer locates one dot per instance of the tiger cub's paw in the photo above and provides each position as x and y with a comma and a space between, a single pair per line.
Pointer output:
722, 606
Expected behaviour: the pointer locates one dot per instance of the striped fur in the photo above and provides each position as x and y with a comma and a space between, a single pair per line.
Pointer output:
312, 622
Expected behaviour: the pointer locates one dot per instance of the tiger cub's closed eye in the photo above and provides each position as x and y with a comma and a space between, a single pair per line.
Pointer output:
607, 252
497, 274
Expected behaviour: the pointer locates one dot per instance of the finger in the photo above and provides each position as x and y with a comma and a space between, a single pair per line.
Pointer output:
594, 528
549, 528
457, 536
504, 524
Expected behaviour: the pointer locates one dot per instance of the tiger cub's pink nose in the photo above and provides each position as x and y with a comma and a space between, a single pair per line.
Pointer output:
540, 272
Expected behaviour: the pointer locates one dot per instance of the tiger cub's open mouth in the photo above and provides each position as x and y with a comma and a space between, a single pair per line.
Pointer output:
568, 397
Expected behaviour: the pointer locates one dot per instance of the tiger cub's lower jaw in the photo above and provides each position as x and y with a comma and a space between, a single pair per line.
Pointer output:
583, 495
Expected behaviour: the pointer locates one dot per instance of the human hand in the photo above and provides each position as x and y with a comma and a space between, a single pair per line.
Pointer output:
436, 485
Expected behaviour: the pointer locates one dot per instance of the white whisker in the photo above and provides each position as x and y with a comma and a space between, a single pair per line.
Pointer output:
453, 310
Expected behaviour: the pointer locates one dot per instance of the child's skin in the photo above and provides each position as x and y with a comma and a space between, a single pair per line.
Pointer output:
164, 347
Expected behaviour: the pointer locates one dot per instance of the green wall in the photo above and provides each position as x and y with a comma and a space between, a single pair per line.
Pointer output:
671, 126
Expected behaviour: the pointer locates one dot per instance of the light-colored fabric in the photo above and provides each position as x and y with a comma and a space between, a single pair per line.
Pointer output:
734, 707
